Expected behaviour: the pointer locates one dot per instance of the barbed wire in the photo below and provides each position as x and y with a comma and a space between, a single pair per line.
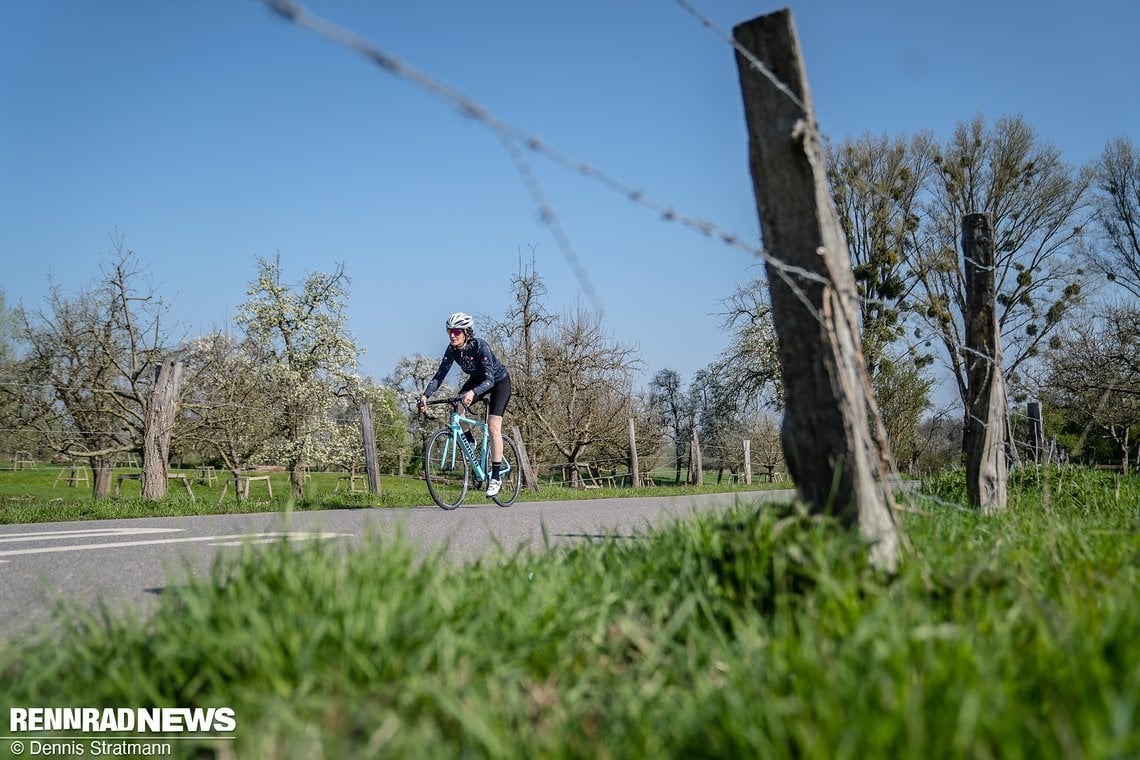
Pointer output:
513, 136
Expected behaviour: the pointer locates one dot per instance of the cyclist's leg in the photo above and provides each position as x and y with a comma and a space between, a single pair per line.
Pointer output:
495, 428
500, 395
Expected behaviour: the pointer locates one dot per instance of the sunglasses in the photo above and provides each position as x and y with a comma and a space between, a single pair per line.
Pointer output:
456, 332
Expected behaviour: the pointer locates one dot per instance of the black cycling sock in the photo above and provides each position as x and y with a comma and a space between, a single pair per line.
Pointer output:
495, 470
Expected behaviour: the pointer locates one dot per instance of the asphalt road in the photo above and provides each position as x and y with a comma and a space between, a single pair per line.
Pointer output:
128, 563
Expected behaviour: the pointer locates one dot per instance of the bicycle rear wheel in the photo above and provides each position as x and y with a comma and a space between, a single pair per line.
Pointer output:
511, 475
446, 470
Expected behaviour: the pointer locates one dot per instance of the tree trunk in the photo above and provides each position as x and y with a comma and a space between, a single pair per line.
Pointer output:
1125, 465
834, 442
986, 430
161, 409
102, 471
297, 479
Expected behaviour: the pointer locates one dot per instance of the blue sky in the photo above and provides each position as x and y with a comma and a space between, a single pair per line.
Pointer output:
210, 132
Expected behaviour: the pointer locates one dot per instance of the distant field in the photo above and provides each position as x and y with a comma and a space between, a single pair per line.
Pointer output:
45, 494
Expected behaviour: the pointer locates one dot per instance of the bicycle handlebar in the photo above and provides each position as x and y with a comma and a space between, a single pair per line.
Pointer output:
451, 400
455, 401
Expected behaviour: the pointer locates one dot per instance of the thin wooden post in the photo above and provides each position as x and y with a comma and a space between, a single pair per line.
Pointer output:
371, 465
747, 461
834, 441
158, 426
634, 470
1036, 431
696, 466
528, 471
986, 433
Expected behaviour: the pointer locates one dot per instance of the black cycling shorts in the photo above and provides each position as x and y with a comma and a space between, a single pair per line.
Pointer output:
499, 394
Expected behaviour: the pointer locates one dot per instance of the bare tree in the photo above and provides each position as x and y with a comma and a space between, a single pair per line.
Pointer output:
670, 406
518, 337
751, 362
1093, 374
10, 389
938, 444
1039, 206
579, 399
718, 411
88, 365
878, 186
1118, 214
228, 411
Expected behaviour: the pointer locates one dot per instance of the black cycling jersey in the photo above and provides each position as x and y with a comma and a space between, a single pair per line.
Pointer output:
476, 359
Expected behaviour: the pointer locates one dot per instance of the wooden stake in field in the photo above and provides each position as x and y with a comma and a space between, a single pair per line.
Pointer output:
833, 438
368, 435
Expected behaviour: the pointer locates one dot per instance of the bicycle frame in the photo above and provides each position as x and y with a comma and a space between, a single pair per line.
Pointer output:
459, 441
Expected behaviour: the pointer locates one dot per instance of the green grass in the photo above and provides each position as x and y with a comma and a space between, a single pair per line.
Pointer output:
34, 496
757, 633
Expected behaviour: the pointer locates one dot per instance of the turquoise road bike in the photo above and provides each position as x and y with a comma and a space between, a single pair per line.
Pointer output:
452, 464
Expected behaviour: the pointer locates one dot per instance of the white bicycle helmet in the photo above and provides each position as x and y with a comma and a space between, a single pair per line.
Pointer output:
460, 321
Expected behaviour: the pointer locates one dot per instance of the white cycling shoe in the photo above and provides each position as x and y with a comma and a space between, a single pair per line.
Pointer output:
493, 486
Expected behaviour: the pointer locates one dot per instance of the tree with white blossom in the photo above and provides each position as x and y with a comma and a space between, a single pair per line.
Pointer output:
306, 355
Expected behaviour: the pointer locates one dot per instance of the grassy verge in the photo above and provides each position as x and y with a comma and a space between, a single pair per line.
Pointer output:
34, 496
751, 634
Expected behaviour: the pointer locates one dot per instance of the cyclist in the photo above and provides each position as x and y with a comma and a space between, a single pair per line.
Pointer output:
486, 375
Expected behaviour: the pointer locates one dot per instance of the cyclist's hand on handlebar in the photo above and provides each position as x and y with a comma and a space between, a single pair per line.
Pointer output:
422, 405
468, 398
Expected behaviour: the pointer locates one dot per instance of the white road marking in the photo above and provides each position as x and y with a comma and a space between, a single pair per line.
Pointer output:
239, 543
49, 535
236, 539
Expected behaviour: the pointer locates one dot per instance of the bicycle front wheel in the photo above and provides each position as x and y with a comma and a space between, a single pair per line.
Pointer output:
511, 475
446, 470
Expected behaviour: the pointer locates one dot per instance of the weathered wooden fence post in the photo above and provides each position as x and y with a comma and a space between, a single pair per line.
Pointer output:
634, 470
986, 433
696, 466
158, 425
527, 470
833, 438
747, 461
1036, 431
371, 464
